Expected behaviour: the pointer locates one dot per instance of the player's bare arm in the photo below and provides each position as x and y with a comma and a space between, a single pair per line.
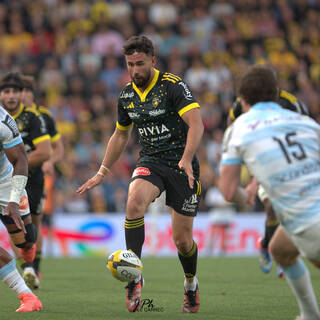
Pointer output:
56, 155
229, 185
193, 119
40, 154
115, 147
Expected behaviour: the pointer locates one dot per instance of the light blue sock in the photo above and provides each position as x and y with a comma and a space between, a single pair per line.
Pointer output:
8, 268
299, 280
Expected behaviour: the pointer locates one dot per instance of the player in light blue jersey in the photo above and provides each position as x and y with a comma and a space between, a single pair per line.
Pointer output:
14, 208
282, 150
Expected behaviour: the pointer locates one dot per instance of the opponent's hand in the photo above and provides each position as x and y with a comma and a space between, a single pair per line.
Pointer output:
91, 183
12, 210
251, 190
186, 166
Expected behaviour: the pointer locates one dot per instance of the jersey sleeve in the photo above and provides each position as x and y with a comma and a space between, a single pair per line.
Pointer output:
10, 133
51, 128
231, 153
182, 97
39, 131
124, 122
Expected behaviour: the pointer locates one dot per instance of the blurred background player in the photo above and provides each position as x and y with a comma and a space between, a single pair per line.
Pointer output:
28, 100
170, 130
14, 209
281, 149
37, 144
290, 102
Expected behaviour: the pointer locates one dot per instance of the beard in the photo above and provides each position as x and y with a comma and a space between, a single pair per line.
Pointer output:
141, 81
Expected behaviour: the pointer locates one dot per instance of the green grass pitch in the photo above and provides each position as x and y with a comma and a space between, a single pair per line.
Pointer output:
230, 289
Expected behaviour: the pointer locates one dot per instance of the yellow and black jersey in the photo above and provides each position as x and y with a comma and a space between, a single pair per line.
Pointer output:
156, 113
33, 131
286, 100
49, 121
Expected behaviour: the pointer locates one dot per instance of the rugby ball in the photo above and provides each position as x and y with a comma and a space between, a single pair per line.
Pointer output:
124, 265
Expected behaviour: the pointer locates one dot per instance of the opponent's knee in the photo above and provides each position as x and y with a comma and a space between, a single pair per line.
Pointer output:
22, 240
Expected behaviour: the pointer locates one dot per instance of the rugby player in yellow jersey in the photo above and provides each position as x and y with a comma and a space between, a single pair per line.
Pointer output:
167, 117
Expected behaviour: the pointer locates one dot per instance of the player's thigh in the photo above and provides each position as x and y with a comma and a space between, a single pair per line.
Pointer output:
141, 193
308, 242
282, 248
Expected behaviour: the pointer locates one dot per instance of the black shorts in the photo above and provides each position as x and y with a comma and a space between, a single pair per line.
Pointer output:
179, 196
35, 196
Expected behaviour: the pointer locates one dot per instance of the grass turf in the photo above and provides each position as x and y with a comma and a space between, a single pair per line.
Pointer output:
230, 288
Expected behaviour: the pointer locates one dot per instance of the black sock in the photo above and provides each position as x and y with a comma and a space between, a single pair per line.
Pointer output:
189, 261
36, 261
270, 229
134, 232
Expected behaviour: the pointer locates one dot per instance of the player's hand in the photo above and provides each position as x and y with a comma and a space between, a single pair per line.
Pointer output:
12, 210
186, 166
251, 190
91, 183
47, 167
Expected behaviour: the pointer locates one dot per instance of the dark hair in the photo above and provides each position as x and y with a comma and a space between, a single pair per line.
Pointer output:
258, 84
138, 44
11, 80
28, 82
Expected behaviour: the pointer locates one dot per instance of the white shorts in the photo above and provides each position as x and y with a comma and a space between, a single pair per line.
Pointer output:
308, 241
5, 189
262, 193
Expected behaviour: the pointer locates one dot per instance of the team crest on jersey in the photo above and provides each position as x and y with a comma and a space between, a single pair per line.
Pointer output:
155, 101
141, 171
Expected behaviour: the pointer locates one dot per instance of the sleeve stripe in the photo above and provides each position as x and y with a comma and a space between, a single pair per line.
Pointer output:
231, 161
12, 144
40, 139
169, 75
168, 79
123, 128
56, 137
188, 107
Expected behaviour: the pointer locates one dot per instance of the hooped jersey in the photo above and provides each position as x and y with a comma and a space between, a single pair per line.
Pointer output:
286, 101
9, 137
156, 113
281, 149
33, 131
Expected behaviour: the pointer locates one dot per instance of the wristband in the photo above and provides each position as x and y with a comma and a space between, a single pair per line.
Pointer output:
100, 173
18, 184
104, 167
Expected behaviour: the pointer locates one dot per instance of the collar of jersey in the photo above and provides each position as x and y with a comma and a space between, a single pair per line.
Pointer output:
265, 105
143, 94
15, 116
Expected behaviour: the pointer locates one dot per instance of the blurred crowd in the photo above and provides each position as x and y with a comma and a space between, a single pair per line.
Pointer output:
74, 50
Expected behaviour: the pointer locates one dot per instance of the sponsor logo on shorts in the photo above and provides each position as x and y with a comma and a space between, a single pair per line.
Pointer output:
24, 203
141, 171
190, 205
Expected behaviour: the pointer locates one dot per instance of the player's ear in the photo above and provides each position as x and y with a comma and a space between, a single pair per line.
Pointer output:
244, 105
154, 61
